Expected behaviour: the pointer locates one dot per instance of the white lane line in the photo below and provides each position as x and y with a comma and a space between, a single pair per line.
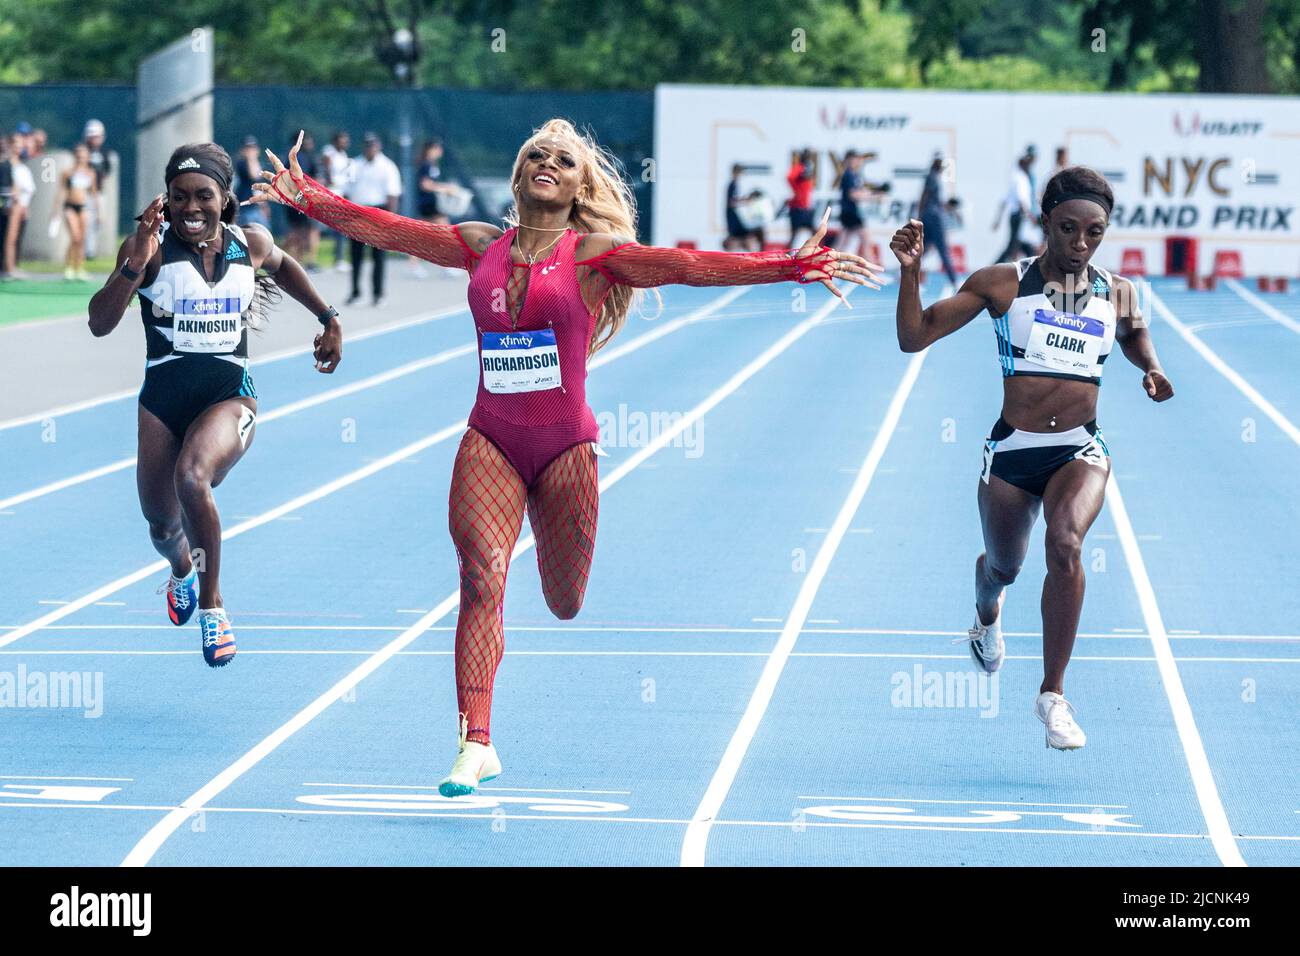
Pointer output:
408, 786
417, 319
1267, 308
1224, 369
267, 516
489, 814
697, 834
1207, 794
330, 487
981, 803
11, 776
669, 629
279, 412
606, 355
144, 850
485, 813
862, 655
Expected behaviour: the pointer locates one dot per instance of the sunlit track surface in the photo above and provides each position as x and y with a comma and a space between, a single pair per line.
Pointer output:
612, 727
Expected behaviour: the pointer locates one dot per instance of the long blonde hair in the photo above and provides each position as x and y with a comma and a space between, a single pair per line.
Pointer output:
604, 204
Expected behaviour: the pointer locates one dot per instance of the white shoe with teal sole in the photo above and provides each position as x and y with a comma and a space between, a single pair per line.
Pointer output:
475, 764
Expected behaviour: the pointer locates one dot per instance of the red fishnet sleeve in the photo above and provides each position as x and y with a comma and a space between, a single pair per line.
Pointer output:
642, 267
442, 245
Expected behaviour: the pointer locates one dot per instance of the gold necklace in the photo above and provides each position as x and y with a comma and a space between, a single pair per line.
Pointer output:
532, 260
542, 229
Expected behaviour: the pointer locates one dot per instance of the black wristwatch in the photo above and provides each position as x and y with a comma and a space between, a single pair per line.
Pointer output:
330, 313
127, 272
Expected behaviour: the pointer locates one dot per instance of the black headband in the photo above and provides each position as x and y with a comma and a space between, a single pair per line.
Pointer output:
197, 164
1089, 195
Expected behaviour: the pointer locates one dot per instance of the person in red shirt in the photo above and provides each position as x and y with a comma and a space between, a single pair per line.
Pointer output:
801, 179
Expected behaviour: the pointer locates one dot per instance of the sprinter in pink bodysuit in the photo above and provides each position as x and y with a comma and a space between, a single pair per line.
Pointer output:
545, 295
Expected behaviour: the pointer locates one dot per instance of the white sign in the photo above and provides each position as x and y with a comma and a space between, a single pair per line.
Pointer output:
1222, 170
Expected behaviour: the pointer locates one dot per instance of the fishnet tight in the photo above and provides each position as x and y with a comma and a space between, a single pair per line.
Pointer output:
488, 500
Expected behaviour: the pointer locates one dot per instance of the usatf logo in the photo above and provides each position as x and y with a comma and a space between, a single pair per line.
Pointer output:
1193, 125
188, 163
843, 119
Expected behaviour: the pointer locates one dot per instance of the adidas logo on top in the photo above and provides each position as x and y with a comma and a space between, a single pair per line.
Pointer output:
188, 163
234, 252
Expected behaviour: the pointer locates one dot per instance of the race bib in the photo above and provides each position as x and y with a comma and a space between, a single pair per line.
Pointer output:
207, 325
1065, 342
520, 361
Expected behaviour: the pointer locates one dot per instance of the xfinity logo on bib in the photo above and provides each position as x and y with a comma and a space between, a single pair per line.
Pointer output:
1071, 322
516, 341
74, 909
1194, 126
207, 306
1068, 320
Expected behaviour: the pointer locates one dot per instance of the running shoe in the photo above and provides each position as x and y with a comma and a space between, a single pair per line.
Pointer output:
182, 596
1055, 712
475, 764
218, 637
987, 648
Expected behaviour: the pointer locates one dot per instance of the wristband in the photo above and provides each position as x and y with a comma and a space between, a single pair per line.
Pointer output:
330, 313
127, 272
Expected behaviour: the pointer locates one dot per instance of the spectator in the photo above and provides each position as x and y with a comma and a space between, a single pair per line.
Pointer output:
24, 189
21, 147
853, 190
375, 181
337, 168
304, 234
430, 186
77, 192
6, 200
1019, 202
93, 137
933, 212
248, 170
39, 140
737, 235
801, 179
1031, 153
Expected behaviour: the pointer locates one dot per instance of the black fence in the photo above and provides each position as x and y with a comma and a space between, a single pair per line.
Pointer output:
481, 131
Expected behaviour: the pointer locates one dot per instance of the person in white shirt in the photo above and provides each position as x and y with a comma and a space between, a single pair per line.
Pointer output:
24, 188
374, 181
1019, 201
337, 168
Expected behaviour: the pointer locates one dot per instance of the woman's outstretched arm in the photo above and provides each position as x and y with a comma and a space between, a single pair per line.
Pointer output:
623, 262
451, 246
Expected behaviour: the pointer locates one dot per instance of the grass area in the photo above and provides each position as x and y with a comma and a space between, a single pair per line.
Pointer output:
101, 264
25, 300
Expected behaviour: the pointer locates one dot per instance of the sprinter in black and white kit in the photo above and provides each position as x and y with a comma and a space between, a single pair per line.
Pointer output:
1057, 318
195, 272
